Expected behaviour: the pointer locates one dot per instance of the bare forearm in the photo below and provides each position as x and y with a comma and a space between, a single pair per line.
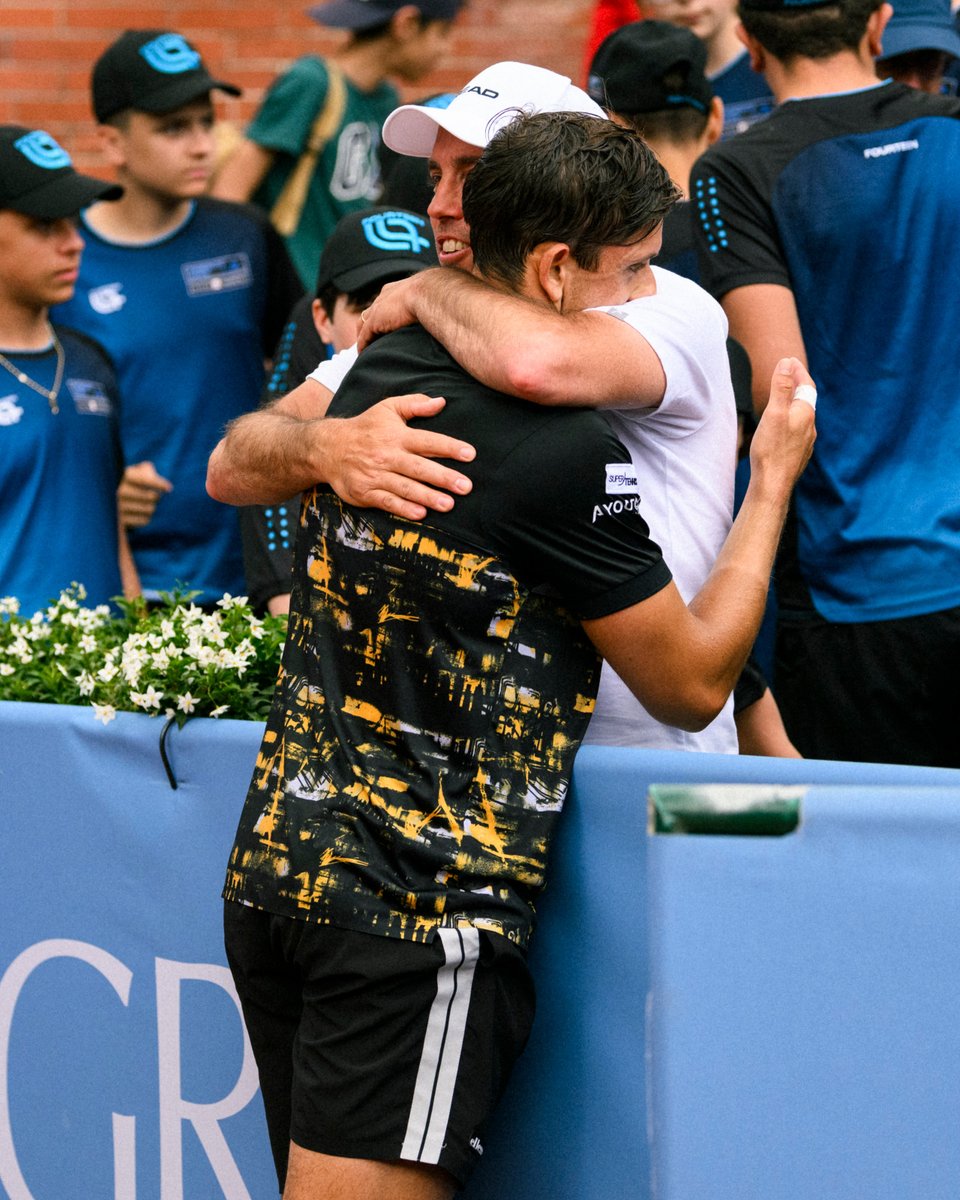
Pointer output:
269, 456
763, 318
532, 351
373, 459
729, 607
733, 599
760, 730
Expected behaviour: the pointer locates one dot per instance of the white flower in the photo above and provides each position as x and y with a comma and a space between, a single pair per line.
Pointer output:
9, 606
86, 683
88, 643
220, 710
161, 660
186, 703
105, 674
151, 697
6, 669
168, 630
229, 601
104, 712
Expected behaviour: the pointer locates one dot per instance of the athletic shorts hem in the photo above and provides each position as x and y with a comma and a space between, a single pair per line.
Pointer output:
338, 1148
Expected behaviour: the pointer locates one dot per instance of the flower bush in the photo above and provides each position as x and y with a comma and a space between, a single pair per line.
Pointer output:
170, 658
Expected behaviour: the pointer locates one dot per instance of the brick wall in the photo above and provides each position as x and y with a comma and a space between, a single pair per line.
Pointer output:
46, 50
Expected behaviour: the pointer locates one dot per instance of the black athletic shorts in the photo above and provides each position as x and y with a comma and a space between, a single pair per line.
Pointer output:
878, 691
373, 1047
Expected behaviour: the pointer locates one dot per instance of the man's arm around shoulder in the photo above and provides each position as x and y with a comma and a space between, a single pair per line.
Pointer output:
371, 460
521, 347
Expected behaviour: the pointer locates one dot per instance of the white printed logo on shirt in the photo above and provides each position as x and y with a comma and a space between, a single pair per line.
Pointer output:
10, 410
107, 298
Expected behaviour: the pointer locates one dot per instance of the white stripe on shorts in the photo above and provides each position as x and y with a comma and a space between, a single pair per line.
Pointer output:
442, 1047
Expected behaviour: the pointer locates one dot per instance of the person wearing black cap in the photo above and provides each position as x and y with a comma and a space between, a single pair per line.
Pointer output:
651, 75
366, 250
745, 94
60, 460
188, 295
321, 120
820, 231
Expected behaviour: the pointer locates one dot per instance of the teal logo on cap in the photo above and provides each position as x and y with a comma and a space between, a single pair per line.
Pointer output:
43, 151
395, 231
171, 54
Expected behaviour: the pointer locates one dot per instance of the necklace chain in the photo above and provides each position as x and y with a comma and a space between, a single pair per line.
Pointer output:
50, 394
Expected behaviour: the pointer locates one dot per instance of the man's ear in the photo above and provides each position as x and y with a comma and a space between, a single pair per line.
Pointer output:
754, 49
322, 323
876, 24
714, 121
549, 264
112, 144
406, 23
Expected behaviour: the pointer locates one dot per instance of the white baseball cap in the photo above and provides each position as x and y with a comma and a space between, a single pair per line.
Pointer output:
490, 100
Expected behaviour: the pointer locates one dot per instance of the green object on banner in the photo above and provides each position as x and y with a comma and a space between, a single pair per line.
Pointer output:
735, 810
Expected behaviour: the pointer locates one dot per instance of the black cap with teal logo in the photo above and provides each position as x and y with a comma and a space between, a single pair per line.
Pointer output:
37, 177
152, 71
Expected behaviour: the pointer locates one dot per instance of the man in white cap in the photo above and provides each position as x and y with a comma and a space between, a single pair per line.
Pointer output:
375, 459
664, 365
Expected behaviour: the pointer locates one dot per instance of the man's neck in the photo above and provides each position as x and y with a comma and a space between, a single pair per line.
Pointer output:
139, 216
363, 64
677, 161
723, 48
23, 327
805, 78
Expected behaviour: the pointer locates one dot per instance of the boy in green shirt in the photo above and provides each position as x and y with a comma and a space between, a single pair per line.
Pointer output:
338, 105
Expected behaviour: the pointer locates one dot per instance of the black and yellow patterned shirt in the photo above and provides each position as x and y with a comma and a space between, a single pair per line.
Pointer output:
436, 682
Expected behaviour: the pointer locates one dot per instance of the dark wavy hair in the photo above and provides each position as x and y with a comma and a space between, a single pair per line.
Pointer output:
792, 33
562, 177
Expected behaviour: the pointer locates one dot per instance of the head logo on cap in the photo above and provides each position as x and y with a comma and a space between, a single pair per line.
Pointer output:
171, 54
43, 151
395, 232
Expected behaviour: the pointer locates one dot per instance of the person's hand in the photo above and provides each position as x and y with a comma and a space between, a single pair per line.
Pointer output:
392, 309
375, 460
140, 489
783, 441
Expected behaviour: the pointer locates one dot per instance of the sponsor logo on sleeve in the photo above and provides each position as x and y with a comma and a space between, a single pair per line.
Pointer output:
621, 479
621, 482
